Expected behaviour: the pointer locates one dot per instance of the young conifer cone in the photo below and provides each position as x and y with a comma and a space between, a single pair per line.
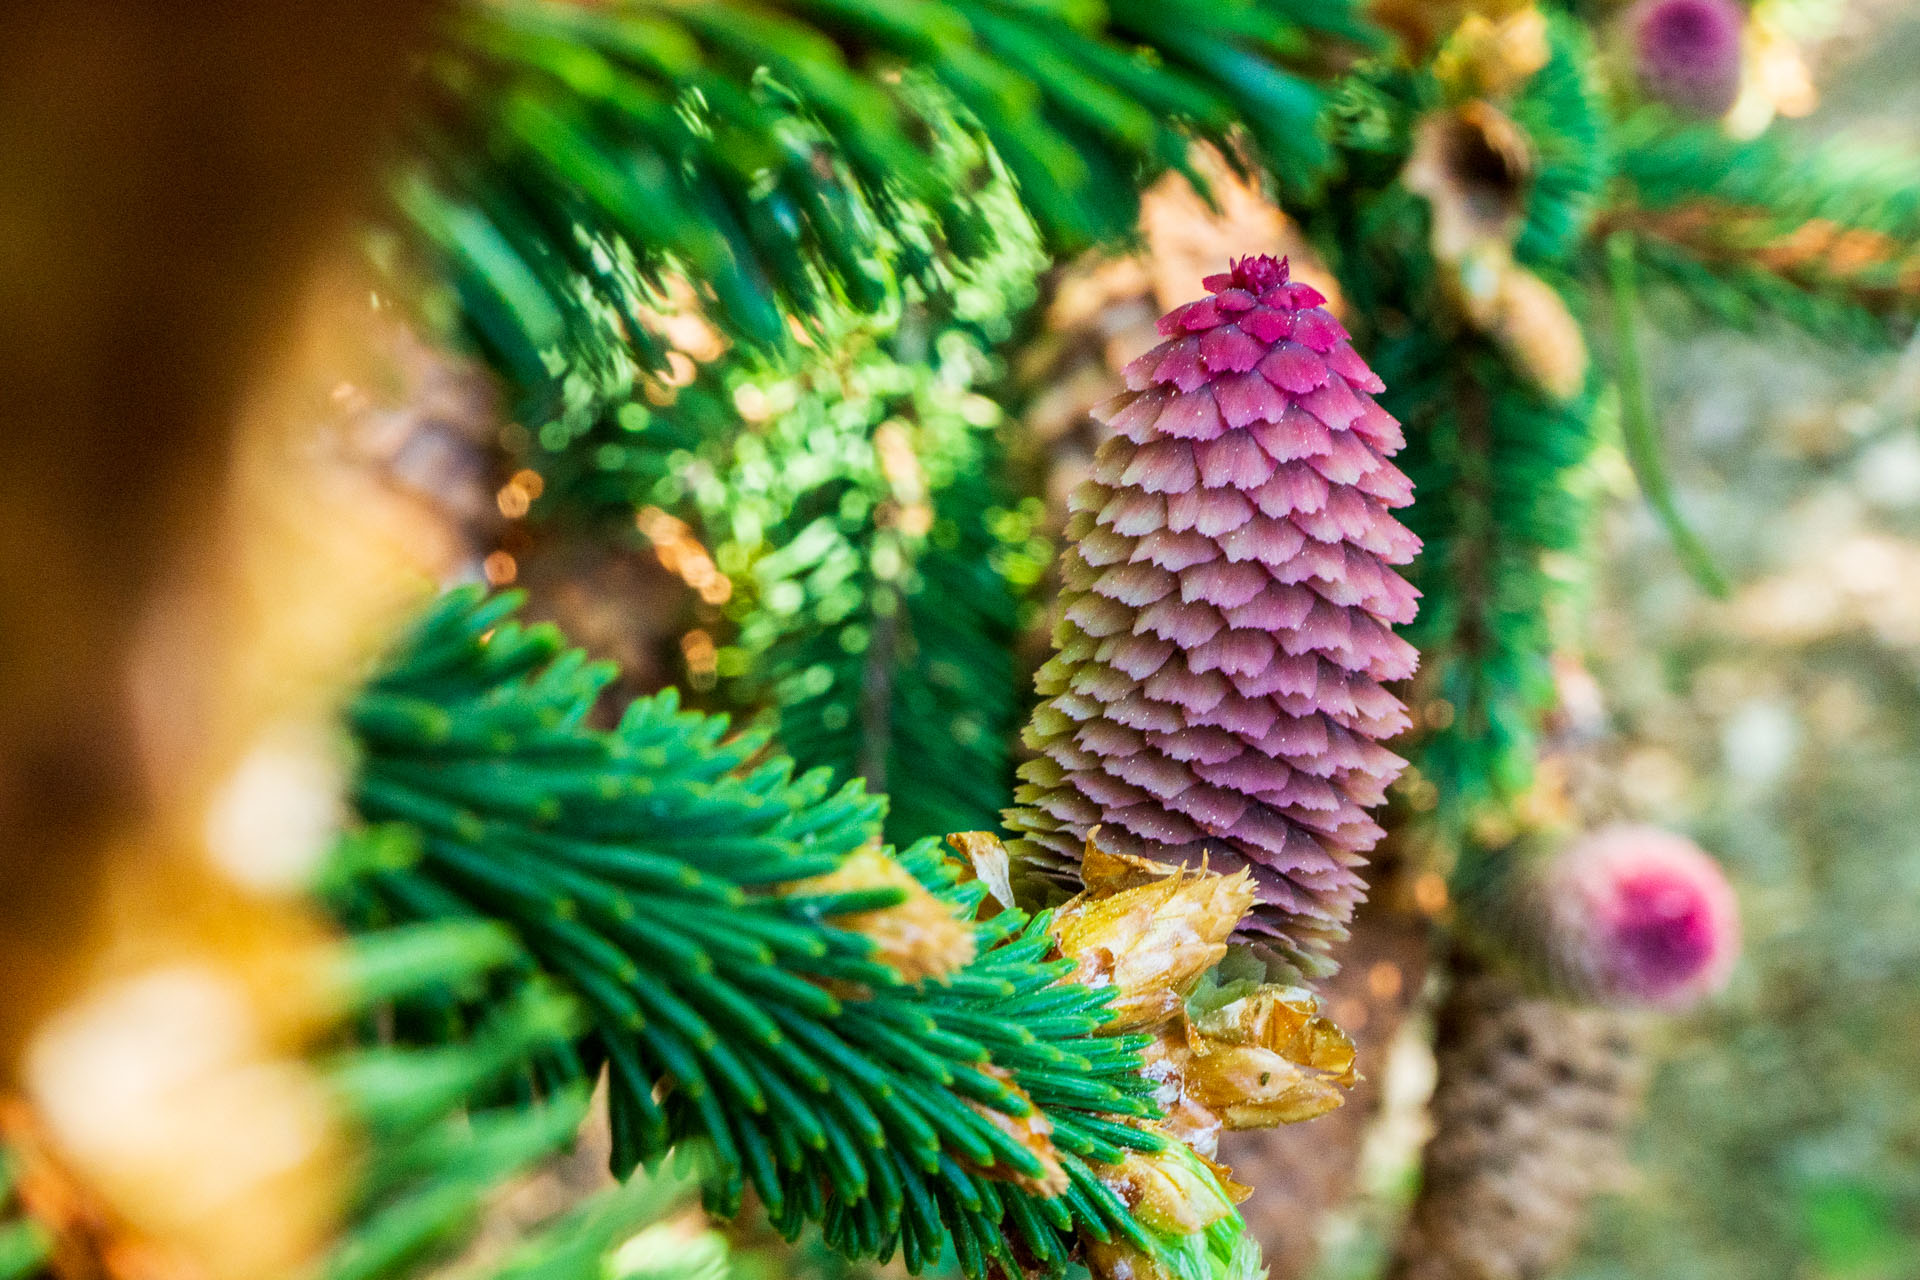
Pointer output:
1531, 1111
1689, 52
1217, 687
1633, 915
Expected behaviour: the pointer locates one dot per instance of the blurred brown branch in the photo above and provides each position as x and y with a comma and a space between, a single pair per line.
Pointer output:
1530, 1112
166, 176
194, 570
1876, 270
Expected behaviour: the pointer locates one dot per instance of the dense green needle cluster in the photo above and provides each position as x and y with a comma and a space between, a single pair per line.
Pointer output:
879, 648
878, 558
433, 1158
653, 872
1498, 463
786, 155
1504, 516
881, 568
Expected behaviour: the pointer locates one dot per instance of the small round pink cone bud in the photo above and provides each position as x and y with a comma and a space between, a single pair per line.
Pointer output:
1637, 915
1688, 52
1218, 690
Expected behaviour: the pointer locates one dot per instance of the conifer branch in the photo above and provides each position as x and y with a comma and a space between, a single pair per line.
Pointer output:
788, 156
1496, 461
442, 1133
1748, 230
662, 878
1504, 504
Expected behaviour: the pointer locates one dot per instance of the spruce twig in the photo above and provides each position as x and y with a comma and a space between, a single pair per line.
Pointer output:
676, 889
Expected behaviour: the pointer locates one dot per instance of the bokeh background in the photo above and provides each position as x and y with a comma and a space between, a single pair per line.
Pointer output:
1780, 727
858, 548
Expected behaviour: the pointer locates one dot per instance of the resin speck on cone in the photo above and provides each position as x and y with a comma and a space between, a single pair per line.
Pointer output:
1217, 690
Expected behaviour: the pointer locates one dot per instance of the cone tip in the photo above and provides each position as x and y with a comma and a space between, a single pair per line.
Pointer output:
1256, 273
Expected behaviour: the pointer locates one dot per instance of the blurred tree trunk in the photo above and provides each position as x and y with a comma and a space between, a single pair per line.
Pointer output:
167, 175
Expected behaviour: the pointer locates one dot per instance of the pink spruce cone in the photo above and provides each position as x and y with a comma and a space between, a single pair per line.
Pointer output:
1688, 52
1217, 687
1637, 915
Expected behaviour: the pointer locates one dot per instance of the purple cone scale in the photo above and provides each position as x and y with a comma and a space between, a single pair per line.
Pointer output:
1218, 687
1688, 52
